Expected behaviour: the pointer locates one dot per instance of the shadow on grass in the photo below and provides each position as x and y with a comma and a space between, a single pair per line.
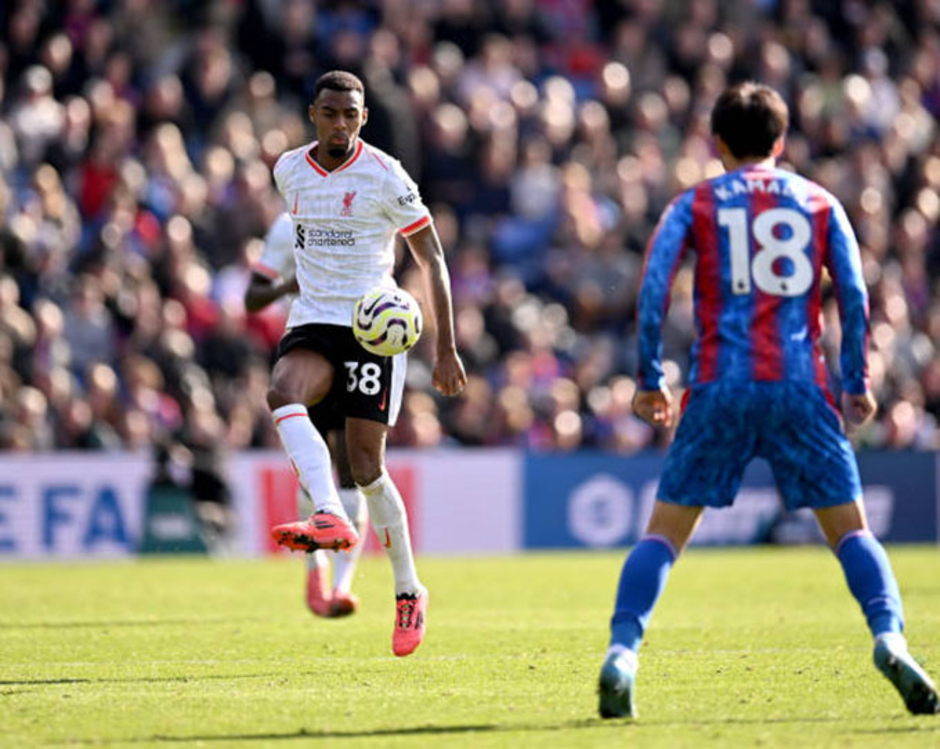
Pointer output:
130, 623
932, 728
303, 733
136, 679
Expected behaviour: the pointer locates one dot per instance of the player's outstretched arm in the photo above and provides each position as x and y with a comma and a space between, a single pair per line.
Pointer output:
449, 375
262, 291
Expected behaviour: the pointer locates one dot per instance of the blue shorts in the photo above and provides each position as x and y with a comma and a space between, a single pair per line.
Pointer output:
789, 424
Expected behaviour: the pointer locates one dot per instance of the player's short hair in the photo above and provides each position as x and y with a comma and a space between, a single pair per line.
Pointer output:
338, 80
749, 117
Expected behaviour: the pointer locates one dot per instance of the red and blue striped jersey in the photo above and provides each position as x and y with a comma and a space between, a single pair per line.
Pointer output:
761, 237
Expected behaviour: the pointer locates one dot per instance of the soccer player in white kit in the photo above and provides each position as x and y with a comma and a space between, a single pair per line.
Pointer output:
273, 277
347, 201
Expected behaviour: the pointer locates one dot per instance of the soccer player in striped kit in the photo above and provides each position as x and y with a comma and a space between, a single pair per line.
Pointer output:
757, 386
348, 201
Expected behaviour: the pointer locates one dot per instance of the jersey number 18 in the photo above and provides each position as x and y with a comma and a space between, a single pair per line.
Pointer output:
770, 249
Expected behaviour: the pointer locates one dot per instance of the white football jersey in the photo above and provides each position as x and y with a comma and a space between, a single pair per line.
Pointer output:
277, 257
344, 223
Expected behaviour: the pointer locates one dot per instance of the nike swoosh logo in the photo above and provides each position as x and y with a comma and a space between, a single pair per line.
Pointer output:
388, 541
384, 399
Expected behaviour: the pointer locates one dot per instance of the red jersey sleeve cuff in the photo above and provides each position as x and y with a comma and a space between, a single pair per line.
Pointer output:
416, 226
263, 270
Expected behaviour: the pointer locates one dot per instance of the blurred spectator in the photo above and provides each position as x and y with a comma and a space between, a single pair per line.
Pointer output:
89, 329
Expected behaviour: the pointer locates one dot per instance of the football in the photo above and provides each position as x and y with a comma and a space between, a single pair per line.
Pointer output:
387, 321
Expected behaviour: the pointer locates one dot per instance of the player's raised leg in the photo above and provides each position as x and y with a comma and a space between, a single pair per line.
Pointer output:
872, 582
366, 444
642, 581
302, 377
342, 600
317, 588
318, 596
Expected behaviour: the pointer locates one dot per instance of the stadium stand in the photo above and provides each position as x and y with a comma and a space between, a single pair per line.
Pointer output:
137, 138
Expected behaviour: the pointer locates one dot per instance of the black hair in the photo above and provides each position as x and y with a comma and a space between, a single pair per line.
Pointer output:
338, 80
749, 117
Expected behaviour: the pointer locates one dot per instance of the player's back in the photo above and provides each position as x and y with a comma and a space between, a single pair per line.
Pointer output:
762, 236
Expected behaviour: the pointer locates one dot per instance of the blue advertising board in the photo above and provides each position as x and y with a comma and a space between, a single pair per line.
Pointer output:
601, 500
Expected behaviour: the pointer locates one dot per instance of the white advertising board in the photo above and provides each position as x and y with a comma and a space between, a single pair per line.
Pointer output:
458, 501
95, 505
72, 504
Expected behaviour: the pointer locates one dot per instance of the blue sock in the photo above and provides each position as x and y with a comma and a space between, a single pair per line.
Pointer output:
871, 580
641, 582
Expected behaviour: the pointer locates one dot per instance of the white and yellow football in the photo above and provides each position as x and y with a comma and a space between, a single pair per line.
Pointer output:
387, 321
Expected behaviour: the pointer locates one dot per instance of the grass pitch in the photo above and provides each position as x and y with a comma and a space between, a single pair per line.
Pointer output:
747, 648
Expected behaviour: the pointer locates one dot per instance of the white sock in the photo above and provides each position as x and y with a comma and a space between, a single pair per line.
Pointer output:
317, 559
305, 508
345, 562
309, 455
625, 652
391, 526
894, 640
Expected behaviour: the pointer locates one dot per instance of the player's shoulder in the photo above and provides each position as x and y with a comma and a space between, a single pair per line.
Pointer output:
291, 157
820, 194
681, 205
396, 185
376, 158
289, 161
816, 199
806, 188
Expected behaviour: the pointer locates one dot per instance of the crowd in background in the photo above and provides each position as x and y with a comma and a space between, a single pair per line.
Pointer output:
137, 139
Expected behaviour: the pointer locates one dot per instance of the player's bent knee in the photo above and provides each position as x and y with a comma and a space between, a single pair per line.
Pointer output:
282, 388
345, 477
367, 475
294, 385
839, 521
278, 397
365, 468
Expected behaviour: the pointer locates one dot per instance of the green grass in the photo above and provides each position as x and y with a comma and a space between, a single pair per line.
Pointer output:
194, 652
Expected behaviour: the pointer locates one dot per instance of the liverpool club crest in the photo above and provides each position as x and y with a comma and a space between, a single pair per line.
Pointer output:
347, 204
